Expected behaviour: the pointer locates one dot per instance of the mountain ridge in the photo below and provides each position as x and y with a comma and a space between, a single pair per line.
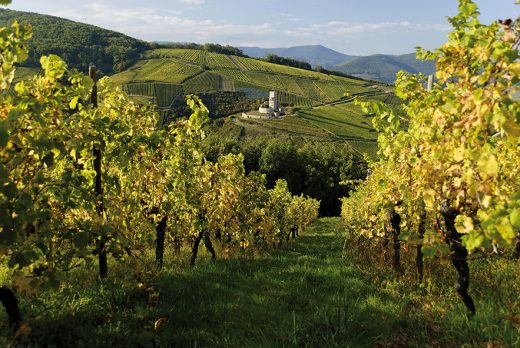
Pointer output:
83, 44
312, 54
379, 67
383, 67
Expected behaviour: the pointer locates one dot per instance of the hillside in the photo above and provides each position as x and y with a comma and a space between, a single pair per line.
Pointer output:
384, 68
165, 74
313, 54
343, 122
77, 43
230, 84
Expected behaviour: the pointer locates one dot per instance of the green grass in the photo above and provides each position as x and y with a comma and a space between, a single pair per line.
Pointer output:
432, 313
294, 296
317, 291
343, 120
291, 125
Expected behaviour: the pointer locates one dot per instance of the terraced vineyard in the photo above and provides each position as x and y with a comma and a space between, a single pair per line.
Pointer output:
204, 82
342, 122
292, 125
389, 99
163, 75
200, 71
164, 70
220, 61
162, 93
345, 121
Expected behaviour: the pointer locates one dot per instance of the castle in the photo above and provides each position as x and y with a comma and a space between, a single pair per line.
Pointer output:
272, 107
268, 109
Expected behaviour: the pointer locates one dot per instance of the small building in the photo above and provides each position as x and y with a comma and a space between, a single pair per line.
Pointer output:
268, 109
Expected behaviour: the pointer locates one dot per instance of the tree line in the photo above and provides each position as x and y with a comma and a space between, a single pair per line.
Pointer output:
326, 171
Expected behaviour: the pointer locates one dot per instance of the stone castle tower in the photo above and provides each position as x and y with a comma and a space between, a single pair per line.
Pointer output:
273, 101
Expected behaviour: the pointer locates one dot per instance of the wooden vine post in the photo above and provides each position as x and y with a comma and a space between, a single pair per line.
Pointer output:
100, 208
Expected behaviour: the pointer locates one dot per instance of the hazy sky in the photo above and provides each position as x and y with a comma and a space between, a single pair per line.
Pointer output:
349, 26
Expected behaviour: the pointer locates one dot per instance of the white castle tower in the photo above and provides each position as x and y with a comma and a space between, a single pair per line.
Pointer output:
273, 101
271, 108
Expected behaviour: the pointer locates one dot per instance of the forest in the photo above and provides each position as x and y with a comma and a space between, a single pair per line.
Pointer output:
109, 51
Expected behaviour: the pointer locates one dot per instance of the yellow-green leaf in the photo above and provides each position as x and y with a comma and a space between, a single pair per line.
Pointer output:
74, 102
464, 224
512, 128
429, 198
488, 164
515, 218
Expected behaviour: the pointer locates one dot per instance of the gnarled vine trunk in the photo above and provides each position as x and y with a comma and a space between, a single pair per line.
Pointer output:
98, 156
209, 246
395, 223
419, 257
294, 229
10, 303
160, 234
517, 251
177, 243
195, 248
459, 256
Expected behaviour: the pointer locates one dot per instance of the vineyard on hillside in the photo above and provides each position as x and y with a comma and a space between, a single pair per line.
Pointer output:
242, 83
344, 122
201, 71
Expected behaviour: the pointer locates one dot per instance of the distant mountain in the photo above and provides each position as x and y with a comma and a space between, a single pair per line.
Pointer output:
313, 54
384, 68
77, 43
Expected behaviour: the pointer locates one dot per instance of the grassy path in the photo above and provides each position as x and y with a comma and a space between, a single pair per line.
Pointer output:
300, 295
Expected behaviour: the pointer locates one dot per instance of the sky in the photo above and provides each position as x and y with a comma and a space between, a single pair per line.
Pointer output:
356, 27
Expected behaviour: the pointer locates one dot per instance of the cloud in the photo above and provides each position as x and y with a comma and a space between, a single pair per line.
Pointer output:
289, 17
193, 2
345, 28
149, 24
154, 24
